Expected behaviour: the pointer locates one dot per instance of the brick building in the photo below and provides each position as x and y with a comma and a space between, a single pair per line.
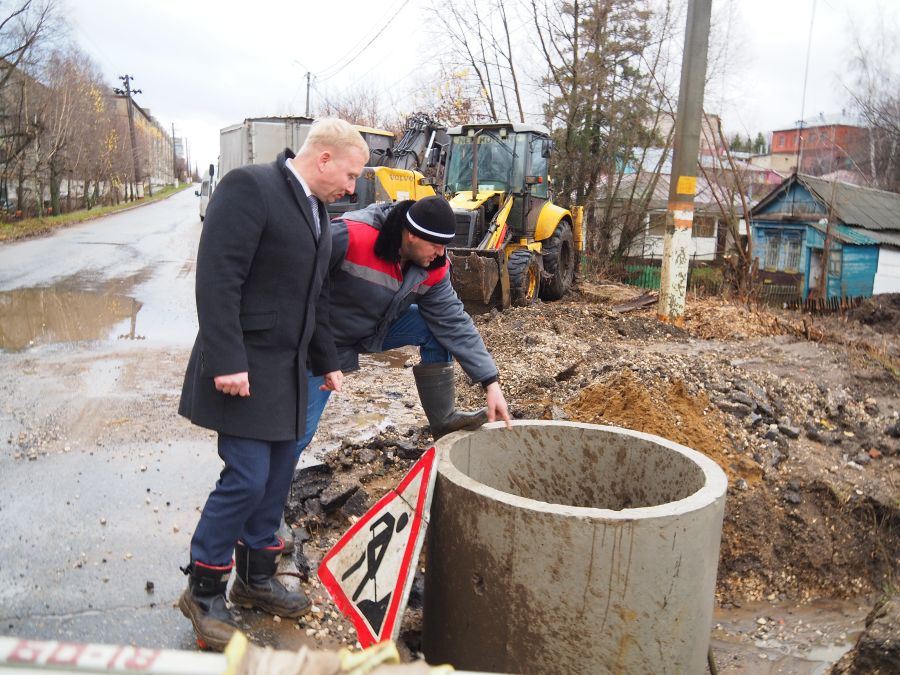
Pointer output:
821, 149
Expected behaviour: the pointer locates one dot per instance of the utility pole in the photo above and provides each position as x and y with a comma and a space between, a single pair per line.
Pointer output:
308, 79
174, 159
683, 181
822, 289
128, 92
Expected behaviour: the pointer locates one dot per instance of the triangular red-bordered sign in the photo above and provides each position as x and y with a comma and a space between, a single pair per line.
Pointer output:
370, 570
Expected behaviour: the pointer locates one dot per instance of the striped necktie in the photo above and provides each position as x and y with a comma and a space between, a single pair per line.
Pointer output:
314, 205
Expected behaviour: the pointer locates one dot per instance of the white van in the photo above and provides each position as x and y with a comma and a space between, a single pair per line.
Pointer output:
206, 189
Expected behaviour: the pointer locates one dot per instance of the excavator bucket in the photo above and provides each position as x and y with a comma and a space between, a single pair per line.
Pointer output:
480, 278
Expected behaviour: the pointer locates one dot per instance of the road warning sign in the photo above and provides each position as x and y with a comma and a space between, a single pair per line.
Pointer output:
370, 571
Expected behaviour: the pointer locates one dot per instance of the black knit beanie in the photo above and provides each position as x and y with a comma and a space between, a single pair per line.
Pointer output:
432, 219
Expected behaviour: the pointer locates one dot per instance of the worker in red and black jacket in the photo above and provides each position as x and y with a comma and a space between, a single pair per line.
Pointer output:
390, 286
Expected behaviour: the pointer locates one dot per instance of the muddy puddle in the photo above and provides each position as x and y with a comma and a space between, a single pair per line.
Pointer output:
393, 358
379, 395
782, 637
82, 309
41, 316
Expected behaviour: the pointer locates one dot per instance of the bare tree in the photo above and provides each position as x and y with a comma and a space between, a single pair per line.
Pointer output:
448, 97
64, 107
605, 71
875, 93
480, 44
361, 106
728, 185
25, 29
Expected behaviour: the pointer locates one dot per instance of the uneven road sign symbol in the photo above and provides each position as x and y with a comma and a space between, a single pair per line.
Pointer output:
370, 570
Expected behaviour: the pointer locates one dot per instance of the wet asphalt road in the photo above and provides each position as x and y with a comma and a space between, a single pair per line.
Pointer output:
93, 536
131, 272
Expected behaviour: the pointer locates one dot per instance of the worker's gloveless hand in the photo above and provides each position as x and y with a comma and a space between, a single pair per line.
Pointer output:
496, 404
333, 381
236, 384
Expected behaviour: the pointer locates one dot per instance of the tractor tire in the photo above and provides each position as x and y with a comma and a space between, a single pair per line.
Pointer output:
525, 271
559, 262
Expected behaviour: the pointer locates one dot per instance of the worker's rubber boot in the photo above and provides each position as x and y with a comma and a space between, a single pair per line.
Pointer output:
256, 586
203, 602
436, 383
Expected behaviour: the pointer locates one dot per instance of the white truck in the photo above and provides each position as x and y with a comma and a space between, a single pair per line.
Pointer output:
258, 140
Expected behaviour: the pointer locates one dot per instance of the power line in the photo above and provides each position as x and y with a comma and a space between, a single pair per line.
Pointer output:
326, 75
350, 53
812, 18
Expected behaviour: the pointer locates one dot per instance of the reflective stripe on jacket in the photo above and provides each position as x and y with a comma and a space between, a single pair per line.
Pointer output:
368, 294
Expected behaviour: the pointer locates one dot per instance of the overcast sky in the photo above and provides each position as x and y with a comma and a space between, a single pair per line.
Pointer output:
204, 64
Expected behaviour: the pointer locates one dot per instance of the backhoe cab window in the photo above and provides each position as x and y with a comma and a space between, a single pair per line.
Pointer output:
539, 168
500, 163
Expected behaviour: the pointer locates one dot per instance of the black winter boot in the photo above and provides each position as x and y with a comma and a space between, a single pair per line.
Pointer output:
255, 584
436, 383
203, 602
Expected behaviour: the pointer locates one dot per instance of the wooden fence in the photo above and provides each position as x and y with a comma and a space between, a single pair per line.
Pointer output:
706, 279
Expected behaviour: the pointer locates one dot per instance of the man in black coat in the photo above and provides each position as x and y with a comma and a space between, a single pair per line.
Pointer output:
261, 303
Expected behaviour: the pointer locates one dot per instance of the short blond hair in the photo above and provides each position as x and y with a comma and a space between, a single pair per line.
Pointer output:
331, 133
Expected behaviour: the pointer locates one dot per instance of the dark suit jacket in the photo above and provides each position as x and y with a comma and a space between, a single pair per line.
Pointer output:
261, 290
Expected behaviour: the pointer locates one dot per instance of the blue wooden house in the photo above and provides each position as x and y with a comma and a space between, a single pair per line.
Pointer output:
790, 226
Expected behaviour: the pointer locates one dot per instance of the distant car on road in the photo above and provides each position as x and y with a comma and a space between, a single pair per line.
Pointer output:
206, 189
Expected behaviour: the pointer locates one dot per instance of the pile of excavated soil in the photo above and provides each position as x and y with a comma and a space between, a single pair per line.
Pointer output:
805, 423
665, 409
881, 313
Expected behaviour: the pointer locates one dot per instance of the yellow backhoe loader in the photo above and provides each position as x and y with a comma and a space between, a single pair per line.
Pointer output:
512, 244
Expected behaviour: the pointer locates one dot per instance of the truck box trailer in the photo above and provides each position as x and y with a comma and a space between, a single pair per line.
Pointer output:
258, 140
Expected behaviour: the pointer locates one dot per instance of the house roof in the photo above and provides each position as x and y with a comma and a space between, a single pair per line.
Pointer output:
835, 119
880, 237
852, 205
848, 235
704, 201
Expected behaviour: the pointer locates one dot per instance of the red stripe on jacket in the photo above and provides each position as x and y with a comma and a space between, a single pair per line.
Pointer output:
361, 251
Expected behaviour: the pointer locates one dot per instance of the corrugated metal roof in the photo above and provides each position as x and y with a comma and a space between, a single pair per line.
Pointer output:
857, 206
704, 200
848, 235
881, 237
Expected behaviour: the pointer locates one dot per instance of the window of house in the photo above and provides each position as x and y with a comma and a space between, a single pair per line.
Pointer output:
835, 258
792, 253
773, 247
704, 226
780, 141
657, 227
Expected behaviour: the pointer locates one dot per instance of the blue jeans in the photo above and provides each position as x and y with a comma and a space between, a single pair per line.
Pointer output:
248, 499
408, 329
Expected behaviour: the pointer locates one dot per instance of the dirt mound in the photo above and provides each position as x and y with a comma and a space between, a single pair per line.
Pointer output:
665, 409
788, 404
802, 420
881, 312
805, 540
717, 319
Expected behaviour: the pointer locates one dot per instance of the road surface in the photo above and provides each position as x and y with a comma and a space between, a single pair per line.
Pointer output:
100, 481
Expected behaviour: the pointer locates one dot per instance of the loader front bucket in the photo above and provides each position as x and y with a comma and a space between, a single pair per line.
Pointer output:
480, 278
